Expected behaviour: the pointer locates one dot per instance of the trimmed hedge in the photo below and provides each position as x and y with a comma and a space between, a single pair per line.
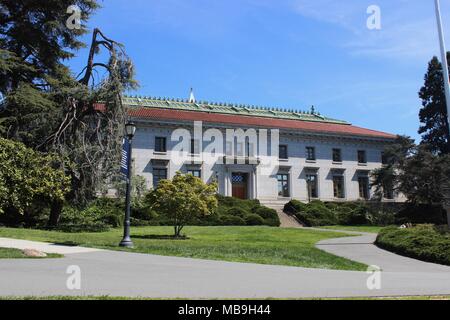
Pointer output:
319, 213
424, 242
237, 212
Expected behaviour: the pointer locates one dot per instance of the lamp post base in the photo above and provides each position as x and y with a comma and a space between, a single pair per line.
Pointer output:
126, 242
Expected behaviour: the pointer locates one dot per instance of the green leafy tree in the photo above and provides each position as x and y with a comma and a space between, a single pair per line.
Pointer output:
413, 170
183, 198
433, 115
28, 179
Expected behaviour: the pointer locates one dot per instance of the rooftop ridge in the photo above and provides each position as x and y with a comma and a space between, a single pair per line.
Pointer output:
229, 108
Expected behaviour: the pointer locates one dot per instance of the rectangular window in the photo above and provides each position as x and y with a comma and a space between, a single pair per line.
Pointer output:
283, 185
160, 144
158, 175
364, 188
195, 146
283, 152
250, 150
229, 148
310, 153
240, 149
362, 157
195, 173
312, 185
338, 187
337, 155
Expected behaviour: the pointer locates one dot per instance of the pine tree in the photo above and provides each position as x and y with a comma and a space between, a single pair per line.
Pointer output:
34, 42
433, 115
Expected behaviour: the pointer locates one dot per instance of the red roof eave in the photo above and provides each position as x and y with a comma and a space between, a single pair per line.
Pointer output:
322, 127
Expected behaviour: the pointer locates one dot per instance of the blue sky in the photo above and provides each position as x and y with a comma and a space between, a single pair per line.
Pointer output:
285, 53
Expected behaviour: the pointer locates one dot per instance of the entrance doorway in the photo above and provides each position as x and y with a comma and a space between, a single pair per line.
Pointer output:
239, 182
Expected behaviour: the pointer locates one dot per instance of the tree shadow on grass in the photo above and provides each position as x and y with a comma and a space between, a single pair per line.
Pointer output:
159, 237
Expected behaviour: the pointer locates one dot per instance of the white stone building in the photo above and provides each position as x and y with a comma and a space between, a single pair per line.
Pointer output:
319, 157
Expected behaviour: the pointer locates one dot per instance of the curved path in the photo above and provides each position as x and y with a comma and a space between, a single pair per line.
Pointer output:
361, 248
116, 273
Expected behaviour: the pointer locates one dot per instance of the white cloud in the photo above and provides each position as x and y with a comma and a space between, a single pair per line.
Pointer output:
408, 27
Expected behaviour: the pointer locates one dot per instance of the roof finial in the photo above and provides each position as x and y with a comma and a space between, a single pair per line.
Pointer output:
313, 110
191, 96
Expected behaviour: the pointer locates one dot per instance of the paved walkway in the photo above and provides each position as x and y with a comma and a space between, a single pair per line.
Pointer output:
361, 248
42, 246
141, 275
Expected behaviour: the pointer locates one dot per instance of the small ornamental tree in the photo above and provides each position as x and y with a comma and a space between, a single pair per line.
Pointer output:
28, 179
182, 199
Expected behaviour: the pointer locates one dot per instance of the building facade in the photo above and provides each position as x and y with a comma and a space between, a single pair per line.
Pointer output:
311, 156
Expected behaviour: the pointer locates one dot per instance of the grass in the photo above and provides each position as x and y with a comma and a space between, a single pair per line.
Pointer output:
6, 253
424, 242
371, 229
263, 245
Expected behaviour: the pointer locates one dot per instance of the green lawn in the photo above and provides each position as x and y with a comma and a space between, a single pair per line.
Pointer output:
372, 229
6, 253
264, 245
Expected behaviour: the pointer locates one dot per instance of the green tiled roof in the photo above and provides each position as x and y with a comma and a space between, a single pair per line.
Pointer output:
227, 108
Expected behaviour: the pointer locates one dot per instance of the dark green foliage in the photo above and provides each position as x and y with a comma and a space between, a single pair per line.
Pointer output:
350, 213
315, 214
253, 219
229, 220
414, 171
433, 115
29, 180
421, 213
270, 216
294, 206
423, 242
34, 42
236, 212
374, 213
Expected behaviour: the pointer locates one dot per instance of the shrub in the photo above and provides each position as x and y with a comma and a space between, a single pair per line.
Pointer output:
270, 216
76, 220
237, 212
423, 242
29, 180
183, 199
316, 214
381, 218
351, 214
294, 206
229, 220
253, 219
422, 214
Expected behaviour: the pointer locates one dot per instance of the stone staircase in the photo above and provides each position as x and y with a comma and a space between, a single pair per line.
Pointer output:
287, 221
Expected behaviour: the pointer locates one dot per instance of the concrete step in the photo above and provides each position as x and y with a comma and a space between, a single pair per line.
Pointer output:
287, 221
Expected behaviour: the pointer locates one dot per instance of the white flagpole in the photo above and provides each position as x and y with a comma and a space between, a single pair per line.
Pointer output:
446, 79
444, 58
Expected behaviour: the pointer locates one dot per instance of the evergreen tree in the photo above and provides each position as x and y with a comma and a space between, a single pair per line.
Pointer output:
34, 42
433, 115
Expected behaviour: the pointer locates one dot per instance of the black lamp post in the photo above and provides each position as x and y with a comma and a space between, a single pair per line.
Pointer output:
130, 129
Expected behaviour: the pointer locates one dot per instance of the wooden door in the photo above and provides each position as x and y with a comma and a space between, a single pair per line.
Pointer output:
239, 183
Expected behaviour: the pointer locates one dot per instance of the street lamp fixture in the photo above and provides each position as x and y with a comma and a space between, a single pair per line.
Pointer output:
130, 130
